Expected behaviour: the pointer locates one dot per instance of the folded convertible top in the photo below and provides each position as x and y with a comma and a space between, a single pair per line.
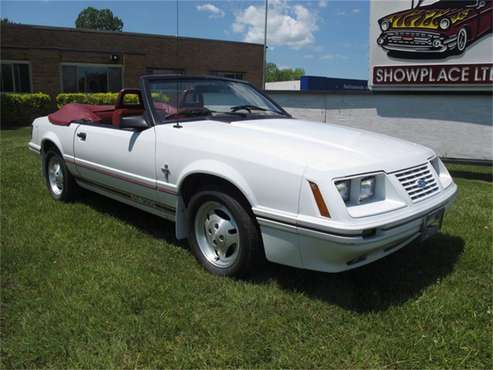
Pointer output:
73, 112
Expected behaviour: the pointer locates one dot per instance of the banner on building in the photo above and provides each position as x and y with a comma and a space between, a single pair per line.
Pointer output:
431, 44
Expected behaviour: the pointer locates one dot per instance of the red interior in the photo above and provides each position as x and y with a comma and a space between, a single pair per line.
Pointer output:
122, 109
105, 114
124, 112
82, 112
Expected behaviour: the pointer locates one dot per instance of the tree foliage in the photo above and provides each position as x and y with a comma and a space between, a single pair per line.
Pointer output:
6, 21
273, 73
98, 19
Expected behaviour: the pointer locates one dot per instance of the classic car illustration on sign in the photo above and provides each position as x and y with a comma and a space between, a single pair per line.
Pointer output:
441, 27
242, 179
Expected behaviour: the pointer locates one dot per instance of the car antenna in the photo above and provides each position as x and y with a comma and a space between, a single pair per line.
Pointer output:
177, 124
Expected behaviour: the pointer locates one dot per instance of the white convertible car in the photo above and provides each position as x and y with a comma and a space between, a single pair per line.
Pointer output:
242, 179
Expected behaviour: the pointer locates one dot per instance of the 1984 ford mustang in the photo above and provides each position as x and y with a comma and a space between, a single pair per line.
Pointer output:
242, 179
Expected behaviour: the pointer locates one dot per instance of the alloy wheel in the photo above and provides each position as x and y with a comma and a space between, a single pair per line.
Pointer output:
217, 234
55, 175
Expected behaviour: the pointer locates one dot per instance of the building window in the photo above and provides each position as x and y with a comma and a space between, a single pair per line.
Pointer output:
88, 78
165, 71
15, 77
235, 75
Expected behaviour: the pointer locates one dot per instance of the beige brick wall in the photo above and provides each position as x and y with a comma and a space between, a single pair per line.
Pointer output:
47, 47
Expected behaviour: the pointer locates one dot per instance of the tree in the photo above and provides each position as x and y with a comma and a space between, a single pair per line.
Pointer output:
6, 21
98, 19
273, 73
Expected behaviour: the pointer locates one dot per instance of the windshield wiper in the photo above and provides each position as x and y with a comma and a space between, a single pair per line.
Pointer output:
247, 107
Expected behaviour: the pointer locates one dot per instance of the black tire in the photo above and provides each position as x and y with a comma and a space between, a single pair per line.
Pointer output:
69, 188
462, 41
250, 252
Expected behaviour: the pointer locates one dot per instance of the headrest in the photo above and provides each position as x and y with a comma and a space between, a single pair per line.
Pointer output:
120, 100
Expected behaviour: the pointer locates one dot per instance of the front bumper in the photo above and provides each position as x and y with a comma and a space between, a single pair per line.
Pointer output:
335, 250
34, 147
416, 41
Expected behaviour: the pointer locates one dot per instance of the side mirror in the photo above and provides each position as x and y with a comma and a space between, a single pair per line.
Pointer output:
133, 123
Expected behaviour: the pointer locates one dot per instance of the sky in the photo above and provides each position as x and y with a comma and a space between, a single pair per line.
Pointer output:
324, 37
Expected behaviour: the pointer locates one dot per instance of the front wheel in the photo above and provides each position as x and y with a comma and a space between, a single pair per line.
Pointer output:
461, 40
223, 235
59, 180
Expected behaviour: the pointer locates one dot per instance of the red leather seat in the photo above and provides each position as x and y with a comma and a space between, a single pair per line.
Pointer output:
123, 112
123, 109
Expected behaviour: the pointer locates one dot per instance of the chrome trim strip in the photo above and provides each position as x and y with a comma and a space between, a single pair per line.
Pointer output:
121, 175
297, 228
165, 187
414, 48
168, 215
448, 41
69, 158
124, 176
272, 214
134, 198
34, 147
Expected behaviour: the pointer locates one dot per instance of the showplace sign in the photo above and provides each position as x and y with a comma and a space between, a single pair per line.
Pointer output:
431, 44
433, 74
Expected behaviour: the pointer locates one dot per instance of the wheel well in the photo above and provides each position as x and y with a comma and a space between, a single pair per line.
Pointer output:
48, 144
200, 181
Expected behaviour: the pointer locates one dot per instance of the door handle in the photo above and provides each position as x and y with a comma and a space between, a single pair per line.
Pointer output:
82, 135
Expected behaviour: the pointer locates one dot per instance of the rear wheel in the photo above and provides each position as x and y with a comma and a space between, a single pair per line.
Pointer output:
223, 235
60, 182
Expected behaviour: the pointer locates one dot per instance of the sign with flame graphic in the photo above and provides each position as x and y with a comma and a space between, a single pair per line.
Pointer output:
431, 44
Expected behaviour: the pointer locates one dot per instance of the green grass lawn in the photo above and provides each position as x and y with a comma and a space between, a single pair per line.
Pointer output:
98, 284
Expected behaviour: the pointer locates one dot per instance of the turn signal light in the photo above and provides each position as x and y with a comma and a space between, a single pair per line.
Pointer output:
322, 207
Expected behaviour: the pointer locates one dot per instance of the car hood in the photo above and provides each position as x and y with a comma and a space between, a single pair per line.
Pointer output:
322, 146
426, 17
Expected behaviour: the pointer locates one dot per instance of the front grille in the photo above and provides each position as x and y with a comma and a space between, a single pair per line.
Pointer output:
419, 182
413, 33
414, 38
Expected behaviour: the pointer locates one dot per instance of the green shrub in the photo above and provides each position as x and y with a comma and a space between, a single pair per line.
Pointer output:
21, 109
93, 98
103, 98
160, 96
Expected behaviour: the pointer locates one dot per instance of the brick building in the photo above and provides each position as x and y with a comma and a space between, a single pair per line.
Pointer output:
53, 59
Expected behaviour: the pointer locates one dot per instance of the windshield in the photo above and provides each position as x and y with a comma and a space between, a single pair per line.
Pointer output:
174, 99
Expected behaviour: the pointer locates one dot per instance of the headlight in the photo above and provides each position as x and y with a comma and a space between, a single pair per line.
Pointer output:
357, 190
442, 172
445, 23
367, 188
344, 188
435, 162
385, 25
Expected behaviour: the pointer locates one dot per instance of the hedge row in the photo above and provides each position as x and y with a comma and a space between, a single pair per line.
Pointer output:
103, 98
94, 98
21, 109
